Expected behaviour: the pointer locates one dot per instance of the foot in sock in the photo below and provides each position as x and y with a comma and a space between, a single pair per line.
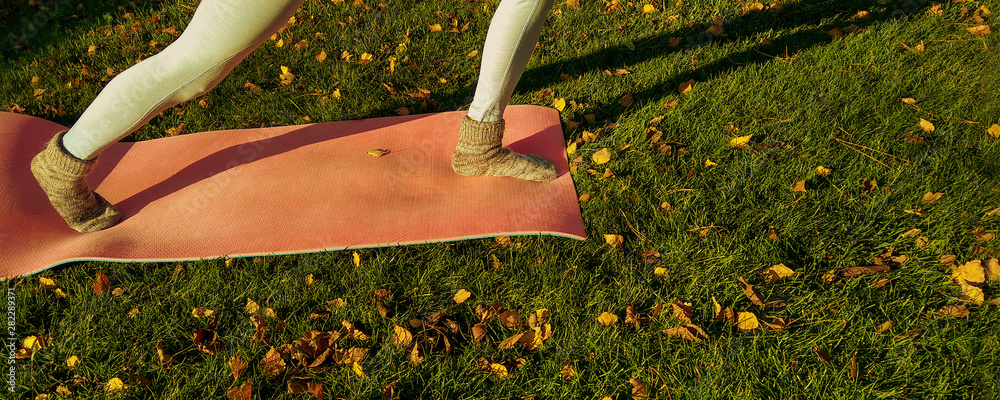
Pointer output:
61, 176
479, 153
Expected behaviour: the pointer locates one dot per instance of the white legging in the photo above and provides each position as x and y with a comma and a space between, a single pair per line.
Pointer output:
224, 32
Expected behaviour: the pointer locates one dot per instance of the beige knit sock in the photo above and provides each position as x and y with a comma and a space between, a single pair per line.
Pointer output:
479, 153
61, 176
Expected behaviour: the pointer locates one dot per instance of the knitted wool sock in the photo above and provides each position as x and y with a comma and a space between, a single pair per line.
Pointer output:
61, 176
479, 153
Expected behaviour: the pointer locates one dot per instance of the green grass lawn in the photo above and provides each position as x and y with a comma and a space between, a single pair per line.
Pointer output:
809, 98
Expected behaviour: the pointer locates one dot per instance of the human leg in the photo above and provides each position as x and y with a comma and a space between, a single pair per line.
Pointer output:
220, 35
510, 41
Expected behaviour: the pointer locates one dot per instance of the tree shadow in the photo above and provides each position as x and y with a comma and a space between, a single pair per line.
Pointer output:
27, 26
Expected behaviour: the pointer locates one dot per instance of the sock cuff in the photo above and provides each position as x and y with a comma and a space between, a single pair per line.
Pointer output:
478, 131
62, 160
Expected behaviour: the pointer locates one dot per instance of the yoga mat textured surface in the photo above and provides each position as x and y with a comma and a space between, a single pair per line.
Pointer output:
282, 190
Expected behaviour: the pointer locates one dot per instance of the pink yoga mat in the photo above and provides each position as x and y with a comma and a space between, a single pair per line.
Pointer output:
282, 190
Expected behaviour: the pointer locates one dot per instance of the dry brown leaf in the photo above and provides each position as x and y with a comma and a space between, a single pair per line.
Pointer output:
510, 342
683, 311
567, 371
823, 356
687, 331
799, 186
776, 272
614, 240
972, 294
955, 311
203, 312
243, 392
993, 269
161, 356
272, 364
237, 364
685, 87
511, 319
884, 326
102, 285
401, 336
478, 332
981, 30
931, 197
416, 354
870, 269
639, 390
755, 296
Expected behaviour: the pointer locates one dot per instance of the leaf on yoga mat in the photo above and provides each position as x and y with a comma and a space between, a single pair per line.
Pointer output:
377, 152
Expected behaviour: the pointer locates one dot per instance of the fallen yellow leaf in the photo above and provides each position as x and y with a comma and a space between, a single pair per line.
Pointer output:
559, 104
981, 30
115, 385
686, 86
607, 318
740, 142
357, 370
709, 163
926, 125
778, 271
648, 9
747, 320
821, 170
461, 296
73, 361
994, 131
602, 156
377, 152
614, 240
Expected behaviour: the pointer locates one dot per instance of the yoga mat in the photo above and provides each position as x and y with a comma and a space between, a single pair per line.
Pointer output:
283, 190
